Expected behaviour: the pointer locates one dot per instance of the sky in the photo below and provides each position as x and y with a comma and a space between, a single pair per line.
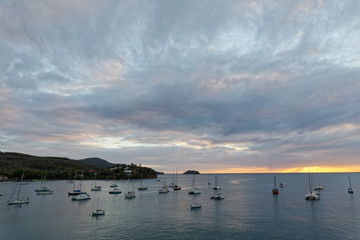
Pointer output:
217, 86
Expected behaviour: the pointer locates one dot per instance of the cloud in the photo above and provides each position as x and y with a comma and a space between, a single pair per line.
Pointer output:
233, 85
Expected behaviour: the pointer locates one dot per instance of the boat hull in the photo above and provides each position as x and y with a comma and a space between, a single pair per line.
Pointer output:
44, 193
18, 201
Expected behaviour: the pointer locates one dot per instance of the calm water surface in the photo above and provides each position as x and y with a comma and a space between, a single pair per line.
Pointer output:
249, 210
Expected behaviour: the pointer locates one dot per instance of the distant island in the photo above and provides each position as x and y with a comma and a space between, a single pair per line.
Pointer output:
191, 172
13, 164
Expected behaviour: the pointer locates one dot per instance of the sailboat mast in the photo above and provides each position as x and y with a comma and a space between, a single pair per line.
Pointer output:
274, 181
22, 177
82, 174
349, 180
176, 177
309, 183
74, 182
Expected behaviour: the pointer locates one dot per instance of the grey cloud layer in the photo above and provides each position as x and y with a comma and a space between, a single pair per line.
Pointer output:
278, 78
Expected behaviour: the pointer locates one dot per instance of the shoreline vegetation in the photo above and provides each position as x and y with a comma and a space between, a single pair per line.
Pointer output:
13, 164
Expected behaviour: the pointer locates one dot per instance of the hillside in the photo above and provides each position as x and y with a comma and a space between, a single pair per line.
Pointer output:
12, 165
98, 162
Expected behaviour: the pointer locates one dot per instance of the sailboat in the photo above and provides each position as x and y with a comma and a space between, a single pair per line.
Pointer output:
142, 187
94, 187
98, 212
275, 190
217, 195
311, 195
176, 186
281, 183
319, 186
18, 199
194, 190
216, 186
164, 188
173, 182
76, 191
43, 190
217, 191
115, 190
129, 194
113, 184
80, 197
70, 180
194, 204
350, 190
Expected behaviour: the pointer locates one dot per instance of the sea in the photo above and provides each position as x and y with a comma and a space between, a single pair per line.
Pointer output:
249, 210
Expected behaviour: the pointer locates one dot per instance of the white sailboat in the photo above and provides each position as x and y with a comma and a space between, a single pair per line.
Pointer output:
113, 184
350, 190
195, 205
142, 187
76, 191
173, 182
115, 190
130, 193
80, 197
176, 186
18, 200
217, 195
311, 195
318, 187
95, 187
43, 190
216, 186
194, 190
98, 212
164, 188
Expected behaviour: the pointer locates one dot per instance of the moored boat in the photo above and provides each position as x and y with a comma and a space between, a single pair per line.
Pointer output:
115, 191
350, 190
311, 195
130, 195
18, 200
98, 212
194, 190
275, 190
81, 197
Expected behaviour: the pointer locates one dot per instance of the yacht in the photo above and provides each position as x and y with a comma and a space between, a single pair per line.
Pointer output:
195, 206
18, 200
350, 190
216, 186
275, 190
319, 187
81, 197
130, 195
194, 191
115, 191
311, 195
163, 189
98, 212
217, 196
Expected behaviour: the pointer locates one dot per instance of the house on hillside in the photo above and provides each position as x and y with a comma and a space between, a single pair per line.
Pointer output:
3, 178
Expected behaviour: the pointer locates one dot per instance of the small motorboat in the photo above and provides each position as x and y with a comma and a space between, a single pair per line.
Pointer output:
81, 197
